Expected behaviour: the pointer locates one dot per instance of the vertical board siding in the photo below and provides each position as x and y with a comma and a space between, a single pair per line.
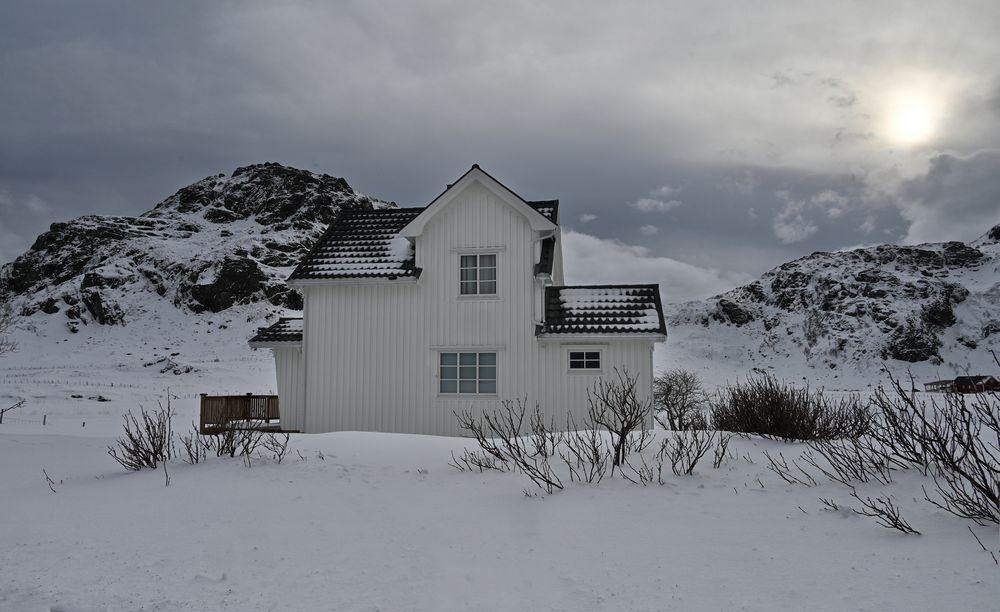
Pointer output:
291, 387
371, 350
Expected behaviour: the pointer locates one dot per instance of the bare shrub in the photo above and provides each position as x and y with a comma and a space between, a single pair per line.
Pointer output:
792, 474
147, 439
830, 505
764, 406
685, 449
957, 442
897, 429
545, 437
679, 400
721, 450
195, 446
847, 461
645, 474
276, 445
499, 434
586, 454
614, 405
238, 441
475, 460
884, 511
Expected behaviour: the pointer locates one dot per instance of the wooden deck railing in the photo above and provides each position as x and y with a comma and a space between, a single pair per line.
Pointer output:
221, 412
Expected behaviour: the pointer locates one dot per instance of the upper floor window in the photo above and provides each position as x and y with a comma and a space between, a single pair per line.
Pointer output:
478, 274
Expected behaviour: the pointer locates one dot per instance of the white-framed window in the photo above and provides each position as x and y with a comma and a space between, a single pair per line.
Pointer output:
477, 274
471, 373
584, 360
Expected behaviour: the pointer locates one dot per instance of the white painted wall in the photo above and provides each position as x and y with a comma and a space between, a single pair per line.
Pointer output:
371, 350
291, 387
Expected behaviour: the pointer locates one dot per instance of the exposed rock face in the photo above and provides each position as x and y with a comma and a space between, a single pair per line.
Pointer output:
731, 312
238, 280
913, 342
222, 241
911, 303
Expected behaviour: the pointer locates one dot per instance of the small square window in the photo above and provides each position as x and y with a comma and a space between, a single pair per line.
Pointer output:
585, 360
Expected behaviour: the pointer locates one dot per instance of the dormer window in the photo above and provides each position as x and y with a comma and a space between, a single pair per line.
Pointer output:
478, 274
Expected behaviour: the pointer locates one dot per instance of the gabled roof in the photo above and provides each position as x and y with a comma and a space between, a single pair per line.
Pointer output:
603, 309
539, 220
972, 380
547, 208
362, 244
284, 331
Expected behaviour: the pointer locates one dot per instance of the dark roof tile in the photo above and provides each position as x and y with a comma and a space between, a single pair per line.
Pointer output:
284, 330
362, 244
603, 309
547, 208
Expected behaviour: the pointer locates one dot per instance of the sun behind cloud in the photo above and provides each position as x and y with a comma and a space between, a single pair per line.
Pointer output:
913, 116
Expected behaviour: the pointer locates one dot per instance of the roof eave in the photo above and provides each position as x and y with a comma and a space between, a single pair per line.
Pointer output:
274, 344
298, 283
556, 337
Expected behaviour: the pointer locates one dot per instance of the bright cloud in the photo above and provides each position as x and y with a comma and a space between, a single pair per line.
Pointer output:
654, 205
790, 224
662, 199
591, 260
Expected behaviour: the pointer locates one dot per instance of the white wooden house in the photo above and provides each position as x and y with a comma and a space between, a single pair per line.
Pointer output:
413, 313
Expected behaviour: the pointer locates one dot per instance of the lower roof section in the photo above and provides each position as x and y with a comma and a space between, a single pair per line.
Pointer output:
285, 332
603, 310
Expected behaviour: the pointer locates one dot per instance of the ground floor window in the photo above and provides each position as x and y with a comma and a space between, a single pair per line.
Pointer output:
468, 373
585, 360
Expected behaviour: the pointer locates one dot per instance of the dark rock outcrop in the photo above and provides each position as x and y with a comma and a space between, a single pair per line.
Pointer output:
731, 312
237, 281
913, 342
221, 242
867, 304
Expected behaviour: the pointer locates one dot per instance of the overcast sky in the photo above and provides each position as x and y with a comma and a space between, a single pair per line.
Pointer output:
692, 144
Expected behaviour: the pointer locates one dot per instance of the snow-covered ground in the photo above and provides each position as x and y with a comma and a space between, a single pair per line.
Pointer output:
357, 521
361, 521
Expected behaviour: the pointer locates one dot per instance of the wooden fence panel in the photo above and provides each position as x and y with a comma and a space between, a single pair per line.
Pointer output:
220, 412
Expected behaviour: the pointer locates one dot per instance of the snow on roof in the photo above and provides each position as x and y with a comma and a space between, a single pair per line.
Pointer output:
603, 309
547, 208
362, 244
284, 330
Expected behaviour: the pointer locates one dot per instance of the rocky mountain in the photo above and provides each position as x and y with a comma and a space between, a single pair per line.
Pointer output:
223, 241
931, 304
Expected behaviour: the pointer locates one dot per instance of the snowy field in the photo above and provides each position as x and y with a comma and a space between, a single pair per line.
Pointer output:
359, 521
380, 522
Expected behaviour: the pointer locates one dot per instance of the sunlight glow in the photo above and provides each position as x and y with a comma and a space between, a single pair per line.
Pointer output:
912, 118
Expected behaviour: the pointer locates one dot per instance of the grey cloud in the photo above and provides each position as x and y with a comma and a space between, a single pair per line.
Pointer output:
957, 199
110, 107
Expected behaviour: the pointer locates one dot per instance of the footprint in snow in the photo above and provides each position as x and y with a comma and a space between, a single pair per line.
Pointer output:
202, 579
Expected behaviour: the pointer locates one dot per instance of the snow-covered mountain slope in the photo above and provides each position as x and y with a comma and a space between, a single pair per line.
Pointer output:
933, 309
223, 241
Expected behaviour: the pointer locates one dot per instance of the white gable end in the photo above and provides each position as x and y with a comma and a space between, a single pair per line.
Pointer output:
477, 176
